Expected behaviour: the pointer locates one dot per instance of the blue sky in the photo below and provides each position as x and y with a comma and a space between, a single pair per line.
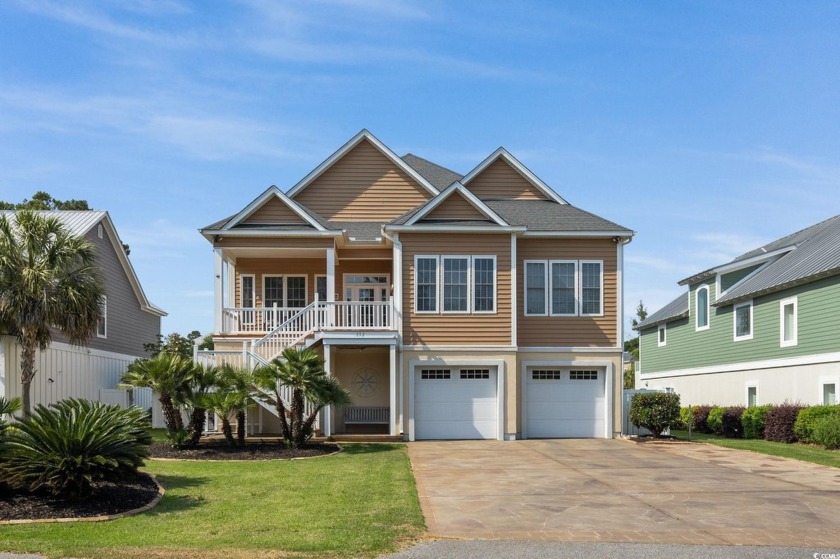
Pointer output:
707, 127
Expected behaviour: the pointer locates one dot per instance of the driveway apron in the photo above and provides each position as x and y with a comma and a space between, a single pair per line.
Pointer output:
618, 491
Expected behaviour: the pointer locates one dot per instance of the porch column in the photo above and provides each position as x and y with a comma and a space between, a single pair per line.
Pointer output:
218, 290
330, 314
231, 283
327, 428
393, 427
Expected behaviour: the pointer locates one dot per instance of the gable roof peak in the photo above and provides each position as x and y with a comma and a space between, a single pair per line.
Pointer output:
503, 153
363, 134
466, 194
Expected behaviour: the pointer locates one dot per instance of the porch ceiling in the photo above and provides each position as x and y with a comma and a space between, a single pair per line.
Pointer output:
274, 252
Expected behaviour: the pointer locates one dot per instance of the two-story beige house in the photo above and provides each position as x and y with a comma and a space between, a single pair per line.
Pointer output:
481, 306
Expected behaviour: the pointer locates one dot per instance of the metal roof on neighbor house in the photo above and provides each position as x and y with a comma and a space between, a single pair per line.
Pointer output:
77, 222
816, 255
678, 308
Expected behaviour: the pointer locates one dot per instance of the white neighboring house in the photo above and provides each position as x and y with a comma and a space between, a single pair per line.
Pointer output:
130, 320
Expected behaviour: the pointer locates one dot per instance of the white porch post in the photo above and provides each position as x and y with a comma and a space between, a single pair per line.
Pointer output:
330, 315
231, 283
396, 266
218, 290
327, 430
393, 427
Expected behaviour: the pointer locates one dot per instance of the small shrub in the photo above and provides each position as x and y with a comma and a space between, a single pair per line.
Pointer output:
733, 428
655, 411
753, 421
826, 431
779, 422
807, 418
687, 418
178, 439
715, 420
701, 415
63, 449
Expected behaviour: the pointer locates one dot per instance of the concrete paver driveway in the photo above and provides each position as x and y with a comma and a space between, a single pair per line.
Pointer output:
611, 490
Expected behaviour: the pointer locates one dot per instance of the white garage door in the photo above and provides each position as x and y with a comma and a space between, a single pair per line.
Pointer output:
455, 403
565, 402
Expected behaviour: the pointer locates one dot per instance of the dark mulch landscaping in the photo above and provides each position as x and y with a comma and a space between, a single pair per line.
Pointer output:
251, 451
107, 498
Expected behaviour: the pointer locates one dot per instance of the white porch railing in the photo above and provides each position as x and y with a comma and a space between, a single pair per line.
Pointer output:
325, 315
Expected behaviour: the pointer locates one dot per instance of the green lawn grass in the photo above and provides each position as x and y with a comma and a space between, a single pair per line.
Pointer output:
802, 452
360, 502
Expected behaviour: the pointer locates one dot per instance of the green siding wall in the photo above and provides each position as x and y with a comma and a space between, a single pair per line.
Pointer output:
818, 321
728, 280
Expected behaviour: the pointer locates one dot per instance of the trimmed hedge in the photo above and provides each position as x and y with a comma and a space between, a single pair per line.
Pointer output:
655, 411
701, 414
715, 420
807, 418
731, 422
779, 422
826, 431
753, 421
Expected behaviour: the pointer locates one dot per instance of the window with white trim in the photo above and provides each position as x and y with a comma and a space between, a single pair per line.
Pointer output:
662, 335
752, 394
563, 282
464, 284
272, 291
788, 322
455, 283
829, 393
247, 290
535, 288
102, 323
283, 291
484, 284
743, 321
701, 304
591, 287
564, 287
295, 291
426, 276
100, 231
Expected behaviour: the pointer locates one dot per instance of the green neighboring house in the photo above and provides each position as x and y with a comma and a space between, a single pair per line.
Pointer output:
763, 328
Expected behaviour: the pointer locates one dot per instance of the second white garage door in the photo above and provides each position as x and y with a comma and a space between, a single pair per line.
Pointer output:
455, 403
564, 403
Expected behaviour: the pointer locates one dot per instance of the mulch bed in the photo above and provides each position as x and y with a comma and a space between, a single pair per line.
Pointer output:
252, 451
107, 498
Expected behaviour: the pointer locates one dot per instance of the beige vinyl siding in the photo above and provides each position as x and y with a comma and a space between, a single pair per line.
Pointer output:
273, 211
365, 254
457, 329
128, 327
275, 242
455, 207
310, 267
574, 331
500, 181
364, 185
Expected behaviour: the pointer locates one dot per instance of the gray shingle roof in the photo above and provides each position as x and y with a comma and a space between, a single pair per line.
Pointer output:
545, 215
678, 308
440, 177
816, 255
359, 230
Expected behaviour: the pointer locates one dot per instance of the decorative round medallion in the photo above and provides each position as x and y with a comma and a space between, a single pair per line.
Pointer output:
364, 382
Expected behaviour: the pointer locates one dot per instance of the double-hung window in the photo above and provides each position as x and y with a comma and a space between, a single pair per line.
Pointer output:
426, 284
456, 271
564, 288
455, 284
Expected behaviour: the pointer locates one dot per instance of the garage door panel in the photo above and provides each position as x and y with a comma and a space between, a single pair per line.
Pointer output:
455, 408
558, 405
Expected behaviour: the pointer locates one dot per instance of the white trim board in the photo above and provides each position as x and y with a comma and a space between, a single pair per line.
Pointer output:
746, 366
262, 199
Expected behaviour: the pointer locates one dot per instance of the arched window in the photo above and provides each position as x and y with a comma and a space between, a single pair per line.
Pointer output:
702, 304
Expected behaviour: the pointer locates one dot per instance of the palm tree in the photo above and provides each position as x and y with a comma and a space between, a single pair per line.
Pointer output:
200, 382
166, 374
303, 372
233, 388
48, 280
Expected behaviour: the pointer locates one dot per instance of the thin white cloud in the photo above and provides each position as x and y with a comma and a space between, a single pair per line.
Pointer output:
199, 294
